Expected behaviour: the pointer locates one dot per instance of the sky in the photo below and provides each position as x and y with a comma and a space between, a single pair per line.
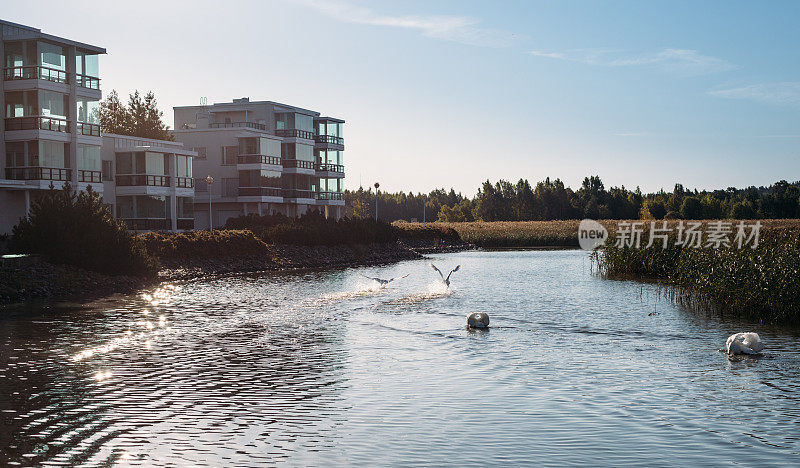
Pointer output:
452, 93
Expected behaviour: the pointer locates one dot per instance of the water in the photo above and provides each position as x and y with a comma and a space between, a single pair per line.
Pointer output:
323, 368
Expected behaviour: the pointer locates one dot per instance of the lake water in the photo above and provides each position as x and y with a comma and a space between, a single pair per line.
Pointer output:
322, 368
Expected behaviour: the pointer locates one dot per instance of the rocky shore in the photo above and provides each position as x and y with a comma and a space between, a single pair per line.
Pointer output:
42, 281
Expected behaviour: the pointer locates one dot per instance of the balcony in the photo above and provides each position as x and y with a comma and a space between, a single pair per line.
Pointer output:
94, 177
184, 182
328, 196
258, 159
330, 168
139, 180
329, 139
294, 133
298, 163
38, 173
260, 192
253, 125
89, 129
88, 82
149, 224
37, 123
298, 193
35, 73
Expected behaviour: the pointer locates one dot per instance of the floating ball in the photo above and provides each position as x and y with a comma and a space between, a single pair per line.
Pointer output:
478, 320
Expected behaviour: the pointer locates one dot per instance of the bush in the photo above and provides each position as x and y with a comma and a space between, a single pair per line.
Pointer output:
204, 244
77, 229
314, 229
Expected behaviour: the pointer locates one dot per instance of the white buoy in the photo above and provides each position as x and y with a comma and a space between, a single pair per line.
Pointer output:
744, 343
478, 320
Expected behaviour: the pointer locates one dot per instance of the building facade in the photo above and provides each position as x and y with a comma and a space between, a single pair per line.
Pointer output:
50, 128
264, 157
148, 183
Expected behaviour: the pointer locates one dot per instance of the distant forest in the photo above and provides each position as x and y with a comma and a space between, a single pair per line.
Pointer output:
550, 200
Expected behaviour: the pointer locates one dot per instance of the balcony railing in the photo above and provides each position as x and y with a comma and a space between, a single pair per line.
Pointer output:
298, 163
86, 81
85, 128
35, 72
186, 224
184, 182
292, 132
38, 123
254, 125
297, 193
38, 173
129, 180
90, 176
148, 224
260, 192
329, 195
329, 167
334, 140
258, 159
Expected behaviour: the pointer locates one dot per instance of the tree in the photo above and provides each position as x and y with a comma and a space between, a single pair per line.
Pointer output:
140, 118
77, 229
691, 208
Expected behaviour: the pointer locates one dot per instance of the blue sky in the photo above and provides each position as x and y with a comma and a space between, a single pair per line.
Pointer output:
450, 93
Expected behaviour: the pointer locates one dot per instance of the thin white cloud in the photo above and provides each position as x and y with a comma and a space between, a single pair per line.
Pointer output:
681, 61
785, 93
460, 29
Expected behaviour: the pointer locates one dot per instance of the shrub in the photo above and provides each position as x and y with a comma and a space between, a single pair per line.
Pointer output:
314, 229
77, 229
204, 244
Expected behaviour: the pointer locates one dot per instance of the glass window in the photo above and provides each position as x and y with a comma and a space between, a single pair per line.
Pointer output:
52, 56
87, 64
270, 147
89, 157
154, 163
304, 122
248, 146
108, 170
21, 103
88, 111
148, 206
52, 154
125, 208
52, 104
185, 207
304, 152
125, 163
184, 166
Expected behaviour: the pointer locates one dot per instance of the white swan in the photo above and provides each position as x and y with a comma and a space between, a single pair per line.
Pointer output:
447, 279
744, 343
384, 282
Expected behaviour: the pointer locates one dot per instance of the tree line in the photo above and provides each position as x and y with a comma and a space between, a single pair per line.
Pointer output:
140, 117
552, 200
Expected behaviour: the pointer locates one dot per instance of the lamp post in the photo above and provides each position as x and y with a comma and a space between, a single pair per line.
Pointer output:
424, 207
209, 181
376, 200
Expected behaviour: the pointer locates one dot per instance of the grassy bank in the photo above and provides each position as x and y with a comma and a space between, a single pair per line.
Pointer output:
762, 284
509, 234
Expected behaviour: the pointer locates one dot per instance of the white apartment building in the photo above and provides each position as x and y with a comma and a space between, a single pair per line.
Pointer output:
50, 128
264, 157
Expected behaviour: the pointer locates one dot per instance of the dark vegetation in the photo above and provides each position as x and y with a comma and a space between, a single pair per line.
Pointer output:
552, 200
140, 117
204, 244
77, 229
762, 283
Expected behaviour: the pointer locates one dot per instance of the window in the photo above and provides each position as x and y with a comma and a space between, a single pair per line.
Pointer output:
52, 56
87, 64
184, 166
201, 152
125, 163
108, 170
88, 157
185, 207
52, 104
230, 187
88, 111
125, 207
229, 154
51, 154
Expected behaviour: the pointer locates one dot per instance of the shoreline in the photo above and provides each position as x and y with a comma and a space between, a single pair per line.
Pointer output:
43, 283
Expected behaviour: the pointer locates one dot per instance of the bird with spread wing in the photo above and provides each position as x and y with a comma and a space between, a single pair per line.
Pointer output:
445, 280
384, 282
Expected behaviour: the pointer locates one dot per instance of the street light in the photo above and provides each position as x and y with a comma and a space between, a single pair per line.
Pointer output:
209, 181
376, 200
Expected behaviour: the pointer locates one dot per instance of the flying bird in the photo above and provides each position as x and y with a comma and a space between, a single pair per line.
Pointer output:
447, 279
384, 282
